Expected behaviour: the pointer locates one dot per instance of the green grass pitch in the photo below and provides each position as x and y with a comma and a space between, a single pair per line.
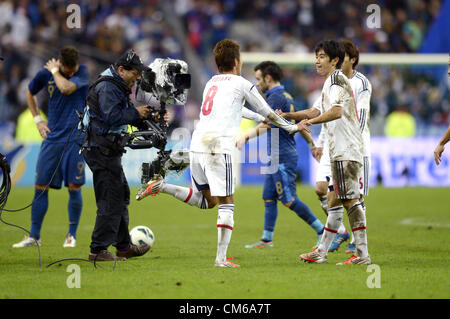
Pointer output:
408, 236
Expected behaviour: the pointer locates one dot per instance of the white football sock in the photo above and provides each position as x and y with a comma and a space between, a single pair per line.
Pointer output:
363, 206
185, 194
341, 229
357, 219
334, 219
225, 223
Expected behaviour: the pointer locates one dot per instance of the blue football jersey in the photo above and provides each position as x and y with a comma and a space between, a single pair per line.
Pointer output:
278, 98
62, 117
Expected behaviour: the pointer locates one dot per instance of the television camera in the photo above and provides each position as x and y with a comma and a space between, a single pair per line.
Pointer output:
165, 81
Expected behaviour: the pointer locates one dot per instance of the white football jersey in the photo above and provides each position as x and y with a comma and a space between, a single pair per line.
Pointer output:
362, 90
221, 110
344, 134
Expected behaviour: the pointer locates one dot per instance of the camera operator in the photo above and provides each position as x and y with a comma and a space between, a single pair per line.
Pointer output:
108, 115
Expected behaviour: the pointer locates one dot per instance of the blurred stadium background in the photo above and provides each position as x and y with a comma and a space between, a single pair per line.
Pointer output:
410, 107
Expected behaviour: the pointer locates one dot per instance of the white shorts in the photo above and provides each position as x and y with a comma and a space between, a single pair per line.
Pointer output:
213, 172
323, 173
345, 176
364, 177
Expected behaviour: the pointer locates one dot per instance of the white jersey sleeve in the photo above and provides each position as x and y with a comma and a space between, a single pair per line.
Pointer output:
260, 106
363, 90
337, 95
250, 115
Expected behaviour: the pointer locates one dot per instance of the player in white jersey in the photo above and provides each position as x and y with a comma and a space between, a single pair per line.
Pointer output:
213, 143
362, 90
340, 117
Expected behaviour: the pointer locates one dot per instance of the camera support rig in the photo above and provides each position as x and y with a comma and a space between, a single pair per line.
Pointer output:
166, 160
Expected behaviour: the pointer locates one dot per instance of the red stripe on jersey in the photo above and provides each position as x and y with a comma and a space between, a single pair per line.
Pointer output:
359, 228
224, 226
189, 195
331, 230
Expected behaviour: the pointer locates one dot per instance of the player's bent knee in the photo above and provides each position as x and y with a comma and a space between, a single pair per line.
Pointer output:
40, 187
319, 192
211, 200
211, 205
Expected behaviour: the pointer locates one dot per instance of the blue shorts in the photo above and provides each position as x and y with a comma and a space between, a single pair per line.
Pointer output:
70, 170
281, 185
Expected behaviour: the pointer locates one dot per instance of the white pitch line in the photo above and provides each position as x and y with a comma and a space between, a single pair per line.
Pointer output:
421, 221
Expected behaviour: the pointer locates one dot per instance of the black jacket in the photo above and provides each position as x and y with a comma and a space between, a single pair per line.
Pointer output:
116, 110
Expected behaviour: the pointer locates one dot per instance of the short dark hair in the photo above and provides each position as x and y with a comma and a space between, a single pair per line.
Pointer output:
270, 68
351, 50
333, 49
225, 52
69, 56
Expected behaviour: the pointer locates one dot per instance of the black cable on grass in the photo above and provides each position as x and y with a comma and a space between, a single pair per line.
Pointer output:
81, 259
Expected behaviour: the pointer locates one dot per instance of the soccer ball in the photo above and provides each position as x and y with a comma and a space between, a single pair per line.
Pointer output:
142, 235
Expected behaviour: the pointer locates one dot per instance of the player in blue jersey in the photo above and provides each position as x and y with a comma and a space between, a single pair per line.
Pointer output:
280, 184
66, 83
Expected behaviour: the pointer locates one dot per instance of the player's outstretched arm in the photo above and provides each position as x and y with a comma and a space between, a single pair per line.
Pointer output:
260, 106
440, 147
301, 115
332, 114
250, 115
260, 129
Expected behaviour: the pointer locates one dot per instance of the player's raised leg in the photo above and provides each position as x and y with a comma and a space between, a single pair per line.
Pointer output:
188, 195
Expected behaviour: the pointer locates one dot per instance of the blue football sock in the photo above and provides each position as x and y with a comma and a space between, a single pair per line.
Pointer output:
267, 235
318, 226
303, 211
38, 210
75, 206
270, 218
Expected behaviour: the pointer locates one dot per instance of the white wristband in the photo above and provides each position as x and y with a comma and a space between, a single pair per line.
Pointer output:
54, 70
38, 119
